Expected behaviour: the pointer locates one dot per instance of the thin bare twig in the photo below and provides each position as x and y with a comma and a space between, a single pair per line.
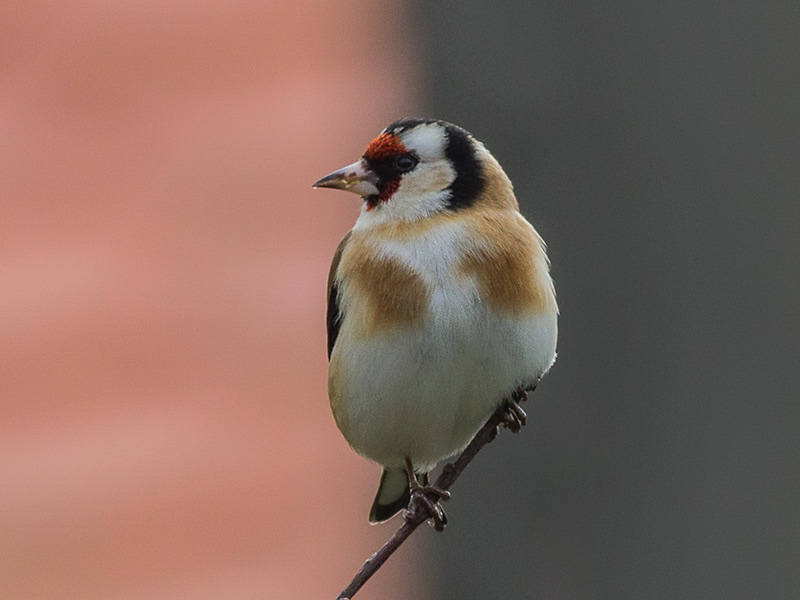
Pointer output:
447, 478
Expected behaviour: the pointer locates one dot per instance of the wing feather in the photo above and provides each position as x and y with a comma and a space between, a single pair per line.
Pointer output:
334, 313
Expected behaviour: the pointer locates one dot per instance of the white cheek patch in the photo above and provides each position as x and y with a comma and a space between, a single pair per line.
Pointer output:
427, 178
403, 207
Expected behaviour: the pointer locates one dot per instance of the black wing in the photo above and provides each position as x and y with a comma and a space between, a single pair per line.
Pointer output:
334, 316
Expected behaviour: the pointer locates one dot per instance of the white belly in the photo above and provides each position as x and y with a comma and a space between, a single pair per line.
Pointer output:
424, 392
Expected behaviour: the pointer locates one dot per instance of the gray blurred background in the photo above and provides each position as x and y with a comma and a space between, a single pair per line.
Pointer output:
656, 147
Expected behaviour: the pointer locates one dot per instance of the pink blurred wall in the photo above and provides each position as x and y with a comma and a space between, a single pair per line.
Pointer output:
164, 426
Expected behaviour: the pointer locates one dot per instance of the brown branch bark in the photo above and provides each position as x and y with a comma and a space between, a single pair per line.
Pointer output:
447, 478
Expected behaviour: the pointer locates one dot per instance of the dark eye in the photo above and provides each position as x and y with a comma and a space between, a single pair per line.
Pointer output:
405, 162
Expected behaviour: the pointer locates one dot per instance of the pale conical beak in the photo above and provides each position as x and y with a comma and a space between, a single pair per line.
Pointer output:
357, 178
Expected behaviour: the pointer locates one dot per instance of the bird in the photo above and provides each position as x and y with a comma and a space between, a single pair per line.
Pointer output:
440, 308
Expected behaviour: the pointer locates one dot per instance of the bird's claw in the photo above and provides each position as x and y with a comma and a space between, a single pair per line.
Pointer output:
514, 417
426, 502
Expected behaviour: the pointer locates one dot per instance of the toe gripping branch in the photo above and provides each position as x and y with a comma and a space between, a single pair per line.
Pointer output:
513, 417
425, 501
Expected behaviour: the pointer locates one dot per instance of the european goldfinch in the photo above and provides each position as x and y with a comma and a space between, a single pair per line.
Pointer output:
440, 303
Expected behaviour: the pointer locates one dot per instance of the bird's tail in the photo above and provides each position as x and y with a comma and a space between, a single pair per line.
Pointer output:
393, 494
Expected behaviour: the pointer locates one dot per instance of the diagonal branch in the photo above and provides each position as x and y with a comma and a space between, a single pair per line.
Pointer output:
508, 414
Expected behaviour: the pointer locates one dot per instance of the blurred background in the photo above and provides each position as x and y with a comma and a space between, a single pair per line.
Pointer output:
164, 427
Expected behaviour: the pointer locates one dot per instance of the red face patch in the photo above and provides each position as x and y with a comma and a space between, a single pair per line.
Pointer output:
385, 145
389, 188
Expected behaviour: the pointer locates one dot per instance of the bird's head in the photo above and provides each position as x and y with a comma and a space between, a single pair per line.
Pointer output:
416, 168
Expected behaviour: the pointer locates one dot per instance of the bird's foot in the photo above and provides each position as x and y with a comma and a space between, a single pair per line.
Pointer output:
513, 417
426, 503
